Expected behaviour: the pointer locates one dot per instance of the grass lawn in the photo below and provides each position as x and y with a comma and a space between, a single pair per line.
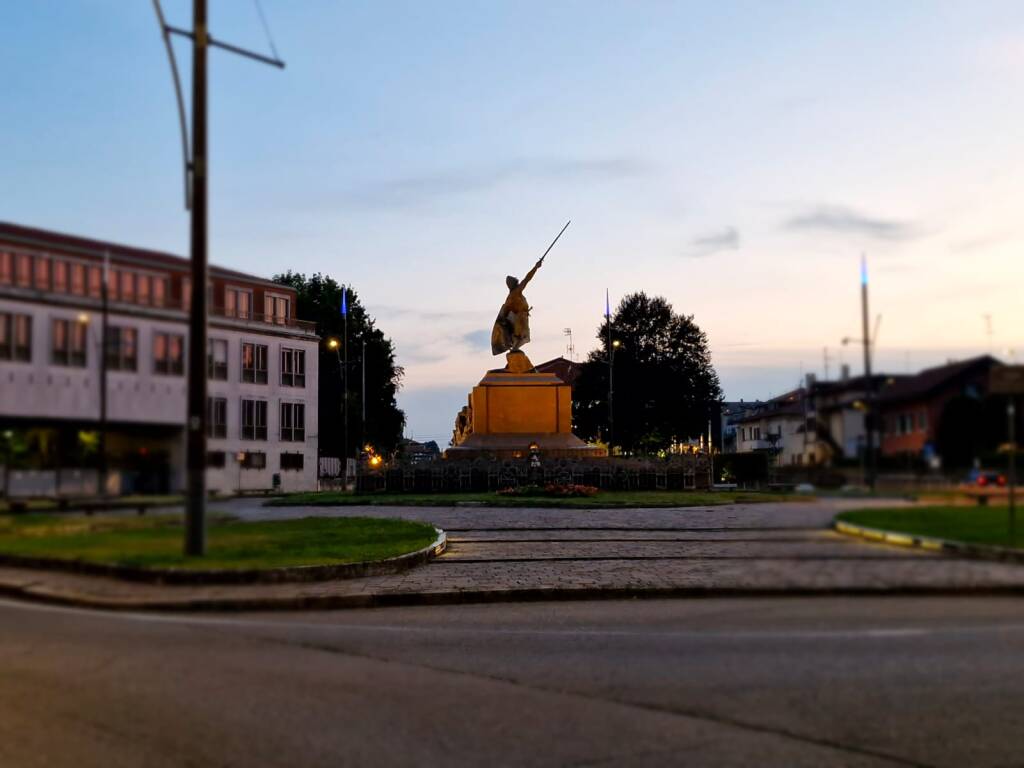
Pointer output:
977, 525
604, 499
116, 502
157, 541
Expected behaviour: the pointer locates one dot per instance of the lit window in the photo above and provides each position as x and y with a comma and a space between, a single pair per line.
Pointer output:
6, 268
142, 288
169, 353
78, 279
23, 270
15, 337
254, 363
42, 275
68, 345
60, 276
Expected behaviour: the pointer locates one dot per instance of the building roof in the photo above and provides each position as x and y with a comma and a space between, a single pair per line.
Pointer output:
785, 405
930, 380
567, 370
49, 240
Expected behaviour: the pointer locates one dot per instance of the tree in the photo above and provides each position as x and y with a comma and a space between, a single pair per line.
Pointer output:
665, 386
319, 300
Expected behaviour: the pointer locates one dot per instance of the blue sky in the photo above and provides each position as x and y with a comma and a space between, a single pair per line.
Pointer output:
735, 157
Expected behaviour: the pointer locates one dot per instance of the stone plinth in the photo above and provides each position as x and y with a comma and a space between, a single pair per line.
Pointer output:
509, 410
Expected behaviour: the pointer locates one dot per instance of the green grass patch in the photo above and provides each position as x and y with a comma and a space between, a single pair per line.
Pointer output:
977, 525
603, 500
156, 542
117, 502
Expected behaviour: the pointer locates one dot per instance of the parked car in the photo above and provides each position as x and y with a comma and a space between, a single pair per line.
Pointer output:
984, 478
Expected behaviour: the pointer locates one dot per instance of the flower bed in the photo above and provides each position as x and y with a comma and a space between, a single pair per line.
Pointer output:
551, 490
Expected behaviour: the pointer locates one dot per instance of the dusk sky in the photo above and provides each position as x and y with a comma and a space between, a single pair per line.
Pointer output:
736, 158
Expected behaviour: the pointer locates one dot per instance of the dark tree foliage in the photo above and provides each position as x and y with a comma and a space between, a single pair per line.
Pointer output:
665, 385
319, 300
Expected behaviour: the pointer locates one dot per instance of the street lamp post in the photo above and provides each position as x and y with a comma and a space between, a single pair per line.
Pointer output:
334, 344
612, 346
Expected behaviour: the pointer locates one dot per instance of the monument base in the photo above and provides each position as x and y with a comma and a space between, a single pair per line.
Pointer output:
514, 408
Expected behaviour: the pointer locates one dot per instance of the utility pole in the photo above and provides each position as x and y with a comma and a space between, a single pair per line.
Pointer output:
1011, 424
869, 414
195, 505
196, 178
362, 399
611, 373
104, 316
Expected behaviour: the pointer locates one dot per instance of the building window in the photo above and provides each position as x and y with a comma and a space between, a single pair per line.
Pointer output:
215, 459
23, 270
254, 363
95, 282
217, 359
142, 288
276, 309
254, 419
126, 285
292, 461
122, 349
254, 460
238, 303
78, 279
42, 273
293, 367
16, 337
68, 347
169, 353
216, 417
6, 268
293, 422
159, 291
922, 421
60, 276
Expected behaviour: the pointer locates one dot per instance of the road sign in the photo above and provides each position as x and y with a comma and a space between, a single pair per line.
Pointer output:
1007, 380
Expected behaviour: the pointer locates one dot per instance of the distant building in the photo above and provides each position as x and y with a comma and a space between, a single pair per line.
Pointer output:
838, 409
912, 409
732, 412
418, 453
567, 370
261, 366
778, 427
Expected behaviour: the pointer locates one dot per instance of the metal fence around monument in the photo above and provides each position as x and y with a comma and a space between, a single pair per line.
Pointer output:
677, 473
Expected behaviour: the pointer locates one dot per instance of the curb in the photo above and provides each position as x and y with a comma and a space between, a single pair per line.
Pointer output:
182, 576
932, 544
42, 594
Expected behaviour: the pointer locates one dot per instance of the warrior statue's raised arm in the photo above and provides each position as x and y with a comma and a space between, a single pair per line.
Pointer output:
512, 326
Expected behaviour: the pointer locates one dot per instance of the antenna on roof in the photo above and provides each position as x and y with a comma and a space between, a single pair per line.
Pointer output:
570, 349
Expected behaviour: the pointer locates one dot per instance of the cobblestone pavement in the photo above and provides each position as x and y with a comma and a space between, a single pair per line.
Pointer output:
532, 553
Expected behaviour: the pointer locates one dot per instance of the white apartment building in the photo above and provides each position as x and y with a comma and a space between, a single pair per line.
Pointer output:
261, 367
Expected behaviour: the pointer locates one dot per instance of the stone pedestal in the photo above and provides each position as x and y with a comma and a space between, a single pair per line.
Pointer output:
516, 406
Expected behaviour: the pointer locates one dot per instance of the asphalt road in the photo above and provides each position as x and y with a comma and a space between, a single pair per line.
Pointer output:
789, 682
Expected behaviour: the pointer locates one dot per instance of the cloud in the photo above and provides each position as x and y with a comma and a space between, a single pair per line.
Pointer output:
478, 340
980, 243
846, 221
727, 239
411, 191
